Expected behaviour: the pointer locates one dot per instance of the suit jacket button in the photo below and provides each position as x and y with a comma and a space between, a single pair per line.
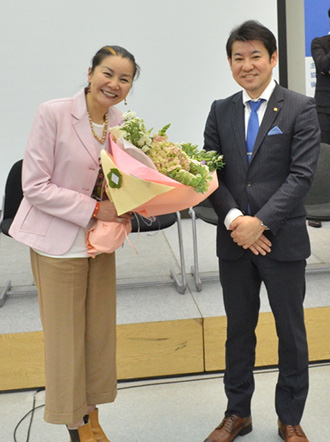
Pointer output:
249, 184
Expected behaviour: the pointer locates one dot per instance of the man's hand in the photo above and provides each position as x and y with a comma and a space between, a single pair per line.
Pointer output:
262, 246
247, 232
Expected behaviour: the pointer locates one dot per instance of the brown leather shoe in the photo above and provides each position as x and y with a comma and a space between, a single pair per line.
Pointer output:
316, 224
291, 433
230, 427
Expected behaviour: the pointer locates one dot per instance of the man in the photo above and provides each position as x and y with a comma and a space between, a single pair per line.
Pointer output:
320, 49
262, 234
321, 55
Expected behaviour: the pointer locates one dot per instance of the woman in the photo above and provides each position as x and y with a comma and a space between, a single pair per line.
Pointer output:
62, 186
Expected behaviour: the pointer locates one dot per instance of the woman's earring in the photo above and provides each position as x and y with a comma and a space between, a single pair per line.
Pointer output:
125, 102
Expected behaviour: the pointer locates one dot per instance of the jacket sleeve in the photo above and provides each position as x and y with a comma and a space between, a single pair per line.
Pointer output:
321, 56
221, 198
61, 201
305, 147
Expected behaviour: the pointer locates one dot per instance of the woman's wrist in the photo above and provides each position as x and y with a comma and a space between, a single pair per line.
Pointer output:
96, 209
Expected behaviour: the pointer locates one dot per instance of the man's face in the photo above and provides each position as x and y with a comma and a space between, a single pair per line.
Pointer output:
251, 66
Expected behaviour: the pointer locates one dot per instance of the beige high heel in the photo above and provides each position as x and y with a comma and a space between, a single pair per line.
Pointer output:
82, 434
96, 427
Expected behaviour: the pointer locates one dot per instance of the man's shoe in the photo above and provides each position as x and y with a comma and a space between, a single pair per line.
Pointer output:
314, 223
291, 433
230, 427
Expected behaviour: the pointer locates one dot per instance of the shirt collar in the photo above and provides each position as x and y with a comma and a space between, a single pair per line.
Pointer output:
265, 95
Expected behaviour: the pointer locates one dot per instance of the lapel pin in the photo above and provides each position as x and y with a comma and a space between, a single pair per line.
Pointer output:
275, 109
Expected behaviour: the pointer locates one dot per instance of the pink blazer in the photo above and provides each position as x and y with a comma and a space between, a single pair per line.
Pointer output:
60, 168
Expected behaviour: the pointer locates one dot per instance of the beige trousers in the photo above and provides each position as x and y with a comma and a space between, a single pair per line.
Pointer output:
77, 301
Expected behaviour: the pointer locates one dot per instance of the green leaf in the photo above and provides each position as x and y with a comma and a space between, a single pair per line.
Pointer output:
162, 131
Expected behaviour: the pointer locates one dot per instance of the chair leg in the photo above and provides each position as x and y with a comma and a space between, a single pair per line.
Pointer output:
4, 293
195, 267
180, 286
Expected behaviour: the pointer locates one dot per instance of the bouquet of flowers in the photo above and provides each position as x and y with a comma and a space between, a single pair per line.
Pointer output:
181, 161
151, 175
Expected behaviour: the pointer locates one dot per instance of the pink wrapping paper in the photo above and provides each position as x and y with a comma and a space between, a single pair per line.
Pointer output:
177, 199
106, 237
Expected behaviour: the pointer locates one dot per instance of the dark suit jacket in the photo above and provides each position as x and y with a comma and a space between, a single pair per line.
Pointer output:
278, 176
321, 55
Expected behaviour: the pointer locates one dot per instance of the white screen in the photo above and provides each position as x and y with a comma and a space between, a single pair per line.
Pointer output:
46, 49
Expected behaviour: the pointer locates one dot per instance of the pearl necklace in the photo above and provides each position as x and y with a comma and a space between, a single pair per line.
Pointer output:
105, 128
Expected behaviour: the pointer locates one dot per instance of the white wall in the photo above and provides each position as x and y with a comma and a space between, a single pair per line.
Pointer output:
295, 26
46, 48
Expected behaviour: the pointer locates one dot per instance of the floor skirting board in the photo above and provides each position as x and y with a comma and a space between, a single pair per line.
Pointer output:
163, 348
318, 333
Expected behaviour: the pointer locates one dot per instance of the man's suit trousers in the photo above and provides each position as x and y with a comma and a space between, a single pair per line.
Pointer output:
285, 284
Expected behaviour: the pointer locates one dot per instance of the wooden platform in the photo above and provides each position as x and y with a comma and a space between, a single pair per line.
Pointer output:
161, 348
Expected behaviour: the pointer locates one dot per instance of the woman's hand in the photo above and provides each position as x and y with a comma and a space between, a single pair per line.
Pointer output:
107, 212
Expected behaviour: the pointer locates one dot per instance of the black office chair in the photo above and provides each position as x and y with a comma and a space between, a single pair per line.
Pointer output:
160, 222
317, 204
317, 200
11, 201
12, 198
205, 212
14, 194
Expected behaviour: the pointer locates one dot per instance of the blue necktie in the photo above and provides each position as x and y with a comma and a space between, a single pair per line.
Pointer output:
253, 127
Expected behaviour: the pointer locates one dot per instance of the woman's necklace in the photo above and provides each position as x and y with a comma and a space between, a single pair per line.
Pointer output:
105, 128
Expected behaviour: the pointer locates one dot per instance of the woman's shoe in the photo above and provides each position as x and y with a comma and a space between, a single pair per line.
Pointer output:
96, 427
82, 434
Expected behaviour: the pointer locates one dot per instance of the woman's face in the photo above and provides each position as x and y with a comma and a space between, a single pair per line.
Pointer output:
110, 82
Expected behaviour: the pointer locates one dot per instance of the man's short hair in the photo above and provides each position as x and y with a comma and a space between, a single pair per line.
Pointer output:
252, 30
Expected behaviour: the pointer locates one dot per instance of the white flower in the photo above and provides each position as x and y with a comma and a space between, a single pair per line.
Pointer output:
144, 140
117, 132
129, 115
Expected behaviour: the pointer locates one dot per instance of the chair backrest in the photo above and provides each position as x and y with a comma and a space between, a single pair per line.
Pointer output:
320, 190
160, 222
13, 196
205, 212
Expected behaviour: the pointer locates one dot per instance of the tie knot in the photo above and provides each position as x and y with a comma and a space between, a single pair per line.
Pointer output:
254, 105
